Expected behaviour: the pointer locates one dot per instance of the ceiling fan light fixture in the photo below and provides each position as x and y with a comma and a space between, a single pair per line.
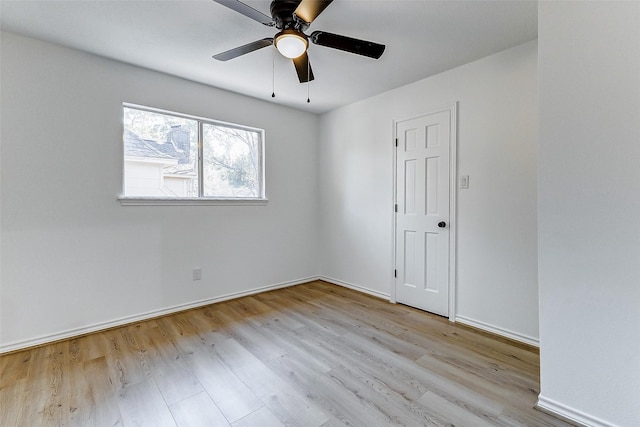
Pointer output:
291, 43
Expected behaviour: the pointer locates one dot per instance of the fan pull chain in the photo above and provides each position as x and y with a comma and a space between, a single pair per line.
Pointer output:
273, 74
308, 79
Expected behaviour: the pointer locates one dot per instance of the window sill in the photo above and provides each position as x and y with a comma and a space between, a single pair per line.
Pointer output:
156, 201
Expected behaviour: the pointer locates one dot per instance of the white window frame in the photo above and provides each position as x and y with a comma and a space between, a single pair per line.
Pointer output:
200, 200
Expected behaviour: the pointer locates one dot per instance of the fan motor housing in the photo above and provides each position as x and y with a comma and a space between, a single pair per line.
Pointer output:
282, 13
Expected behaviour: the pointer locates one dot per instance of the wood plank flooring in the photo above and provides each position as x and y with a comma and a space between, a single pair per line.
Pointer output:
310, 355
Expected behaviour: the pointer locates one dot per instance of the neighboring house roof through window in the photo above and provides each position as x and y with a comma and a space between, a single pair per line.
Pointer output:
135, 146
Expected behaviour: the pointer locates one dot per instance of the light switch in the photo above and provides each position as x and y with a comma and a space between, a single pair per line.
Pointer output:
464, 182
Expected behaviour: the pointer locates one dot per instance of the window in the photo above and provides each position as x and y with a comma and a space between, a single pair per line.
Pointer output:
175, 157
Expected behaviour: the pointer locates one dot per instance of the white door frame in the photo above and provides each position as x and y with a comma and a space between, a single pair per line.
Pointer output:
453, 196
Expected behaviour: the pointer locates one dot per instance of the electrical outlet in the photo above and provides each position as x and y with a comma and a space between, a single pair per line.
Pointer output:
197, 273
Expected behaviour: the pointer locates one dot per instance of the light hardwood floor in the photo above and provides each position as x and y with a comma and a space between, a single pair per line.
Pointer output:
310, 355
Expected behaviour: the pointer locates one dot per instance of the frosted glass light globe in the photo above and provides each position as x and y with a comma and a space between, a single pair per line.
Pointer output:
290, 44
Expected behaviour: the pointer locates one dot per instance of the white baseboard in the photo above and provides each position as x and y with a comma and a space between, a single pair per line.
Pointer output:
70, 333
356, 287
462, 319
516, 336
570, 414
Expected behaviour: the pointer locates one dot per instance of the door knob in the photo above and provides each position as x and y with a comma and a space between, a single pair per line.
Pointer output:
442, 224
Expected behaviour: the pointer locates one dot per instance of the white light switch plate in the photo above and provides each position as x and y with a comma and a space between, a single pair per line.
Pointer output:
464, 182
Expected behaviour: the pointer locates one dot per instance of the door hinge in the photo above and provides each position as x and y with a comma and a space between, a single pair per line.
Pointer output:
396, 142
395, 273
396, 208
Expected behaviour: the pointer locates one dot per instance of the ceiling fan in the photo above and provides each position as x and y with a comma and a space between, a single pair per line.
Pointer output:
292, 18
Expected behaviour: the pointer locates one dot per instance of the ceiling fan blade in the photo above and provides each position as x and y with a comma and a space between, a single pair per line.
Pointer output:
242, 50
348, 44
303, 68
308, 10
247, 11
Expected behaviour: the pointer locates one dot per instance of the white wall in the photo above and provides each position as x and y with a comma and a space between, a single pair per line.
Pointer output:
589, 210
72, 256
497, 135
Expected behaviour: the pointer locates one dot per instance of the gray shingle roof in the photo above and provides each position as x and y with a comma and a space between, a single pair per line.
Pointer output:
138, 147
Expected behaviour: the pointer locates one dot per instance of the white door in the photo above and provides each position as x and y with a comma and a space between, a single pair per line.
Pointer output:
422, 218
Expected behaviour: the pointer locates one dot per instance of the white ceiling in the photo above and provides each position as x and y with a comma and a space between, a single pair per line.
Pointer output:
423, 38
